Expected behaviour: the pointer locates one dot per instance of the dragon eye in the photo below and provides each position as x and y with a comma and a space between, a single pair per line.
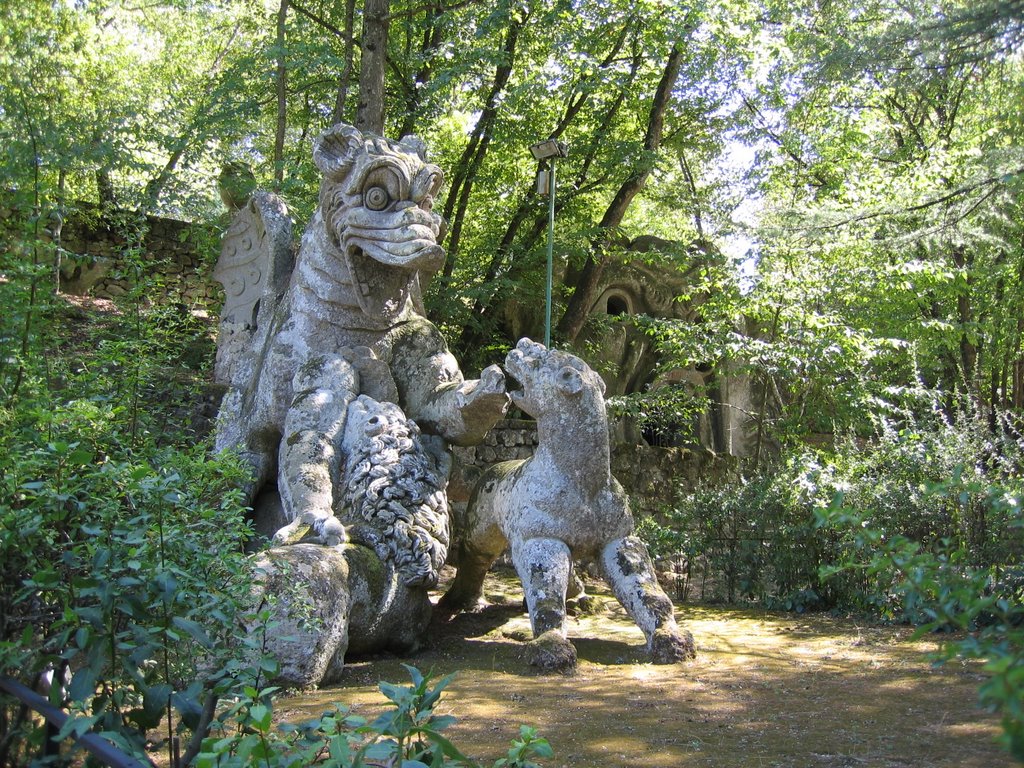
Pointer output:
382, 187
376, 198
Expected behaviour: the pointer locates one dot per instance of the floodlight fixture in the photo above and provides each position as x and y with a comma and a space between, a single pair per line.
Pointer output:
546, 150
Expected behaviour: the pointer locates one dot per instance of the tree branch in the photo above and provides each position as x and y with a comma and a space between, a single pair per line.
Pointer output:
952, 195
317, 19
428, 7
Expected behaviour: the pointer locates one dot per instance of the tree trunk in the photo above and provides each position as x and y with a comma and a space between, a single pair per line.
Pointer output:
526, 204
1018, 384
473, 155
433, 36
281, 84
586, 286
105, 190
691, 183
345, 78
370, 106
965, 315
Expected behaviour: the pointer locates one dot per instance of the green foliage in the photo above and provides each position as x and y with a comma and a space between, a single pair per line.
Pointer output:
108, 102
120, 538
948, 588
890, 235
761, 538
665, 416
408, 733
755, 540
132, 579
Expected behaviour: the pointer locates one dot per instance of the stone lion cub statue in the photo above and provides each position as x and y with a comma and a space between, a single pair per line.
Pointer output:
561, 505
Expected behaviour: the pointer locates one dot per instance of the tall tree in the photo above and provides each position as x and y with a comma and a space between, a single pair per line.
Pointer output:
372, 66
890, 226
585, 288
461, 184
281, 93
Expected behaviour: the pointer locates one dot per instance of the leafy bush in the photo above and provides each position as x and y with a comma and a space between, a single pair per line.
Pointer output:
124, 578
941, 586
409, 734
922, 524
125, 570
760, 539
751, 540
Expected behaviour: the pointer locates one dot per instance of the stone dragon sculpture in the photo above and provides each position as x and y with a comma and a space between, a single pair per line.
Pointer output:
340, 392
559, 506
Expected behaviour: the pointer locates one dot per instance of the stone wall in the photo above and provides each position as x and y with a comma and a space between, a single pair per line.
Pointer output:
510, 439
179, 255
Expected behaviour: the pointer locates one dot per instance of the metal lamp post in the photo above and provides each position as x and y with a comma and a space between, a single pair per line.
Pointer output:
548, 150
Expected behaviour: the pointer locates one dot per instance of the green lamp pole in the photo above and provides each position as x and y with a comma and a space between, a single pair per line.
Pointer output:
549, 150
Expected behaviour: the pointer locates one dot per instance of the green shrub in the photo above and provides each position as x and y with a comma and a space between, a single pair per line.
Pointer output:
408, 733
921, 524
127, 578
946, 588
121, 540
760, 539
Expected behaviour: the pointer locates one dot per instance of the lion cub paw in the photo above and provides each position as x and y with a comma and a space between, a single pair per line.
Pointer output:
552, 653
670, 646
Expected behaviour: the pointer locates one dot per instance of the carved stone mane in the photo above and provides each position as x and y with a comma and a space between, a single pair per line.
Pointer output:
395, 501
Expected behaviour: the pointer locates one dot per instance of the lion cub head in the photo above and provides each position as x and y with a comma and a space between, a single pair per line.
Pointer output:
551, 380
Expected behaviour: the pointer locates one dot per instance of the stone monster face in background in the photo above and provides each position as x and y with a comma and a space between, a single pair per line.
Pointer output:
377, 198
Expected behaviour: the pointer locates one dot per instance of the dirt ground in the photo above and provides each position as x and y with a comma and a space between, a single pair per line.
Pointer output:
766, 689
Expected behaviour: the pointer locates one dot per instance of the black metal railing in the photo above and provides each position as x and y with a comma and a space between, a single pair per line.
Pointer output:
55, 717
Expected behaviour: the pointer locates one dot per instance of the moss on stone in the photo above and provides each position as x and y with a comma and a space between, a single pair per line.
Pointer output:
364, 561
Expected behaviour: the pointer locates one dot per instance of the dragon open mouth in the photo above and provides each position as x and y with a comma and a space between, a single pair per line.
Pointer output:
383, 266
516, 368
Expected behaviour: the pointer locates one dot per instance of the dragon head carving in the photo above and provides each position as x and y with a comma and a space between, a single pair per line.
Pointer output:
376, 199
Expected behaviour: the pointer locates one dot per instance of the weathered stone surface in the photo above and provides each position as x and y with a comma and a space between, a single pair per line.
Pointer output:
327, 601
94, 254
670, 647
342, 393
78, 276
551, 652
395, 490
256, 259
560, 506
355, 285
657, 476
